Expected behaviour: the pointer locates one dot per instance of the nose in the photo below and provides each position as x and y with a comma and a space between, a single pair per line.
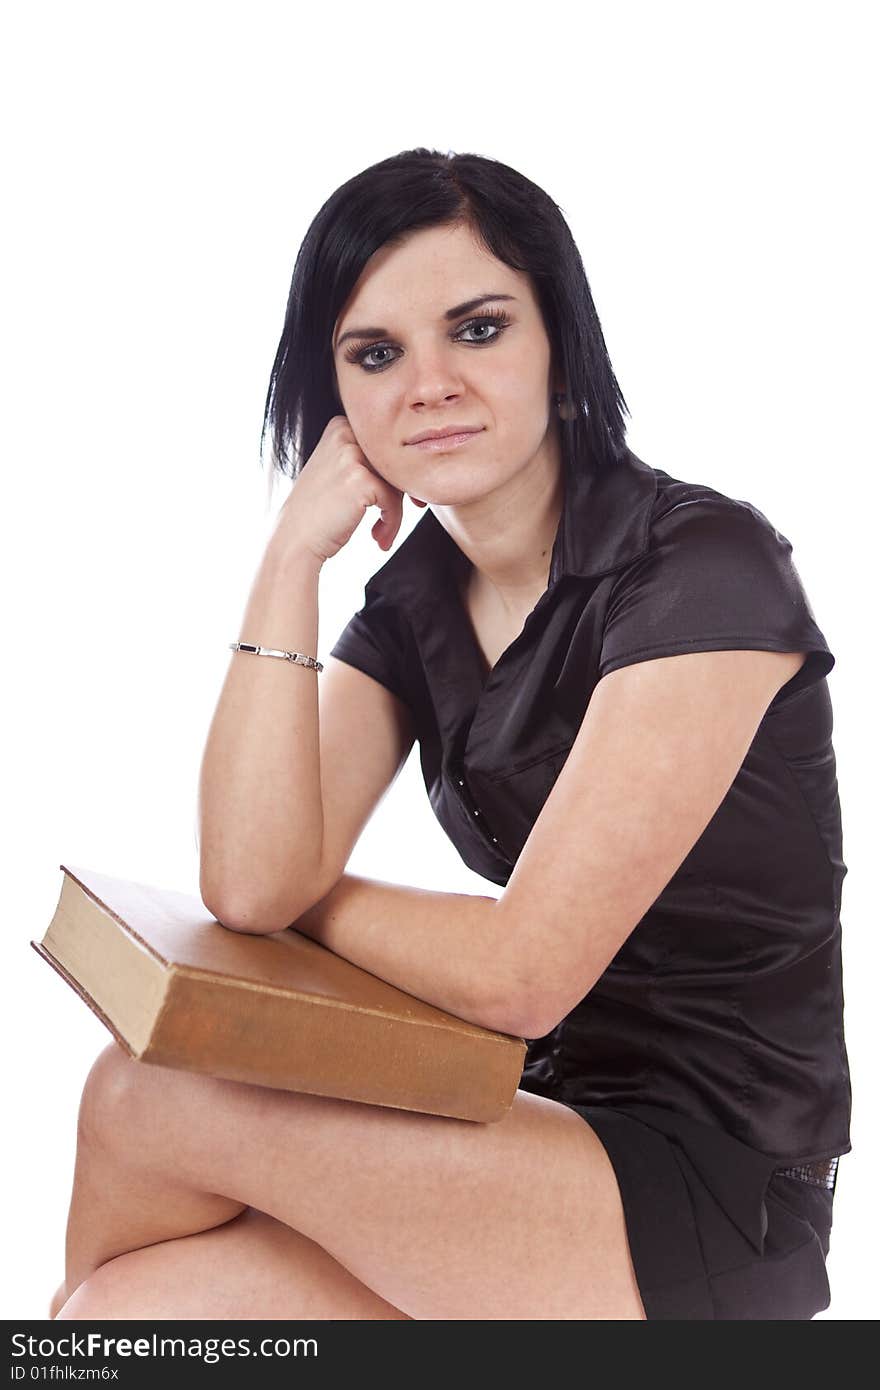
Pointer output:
433, 377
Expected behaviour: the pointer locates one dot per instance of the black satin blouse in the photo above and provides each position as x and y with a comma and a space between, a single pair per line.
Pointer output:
724, 1006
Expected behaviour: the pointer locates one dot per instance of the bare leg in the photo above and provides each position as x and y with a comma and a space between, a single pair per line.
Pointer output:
441, 1218
251, 1267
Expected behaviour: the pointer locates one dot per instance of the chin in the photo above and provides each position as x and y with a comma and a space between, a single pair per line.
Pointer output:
449, 493
454, 483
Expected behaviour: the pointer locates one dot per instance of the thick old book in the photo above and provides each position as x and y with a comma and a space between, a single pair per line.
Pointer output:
178, 989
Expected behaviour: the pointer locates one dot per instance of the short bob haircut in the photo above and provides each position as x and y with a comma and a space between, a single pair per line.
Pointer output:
513, 218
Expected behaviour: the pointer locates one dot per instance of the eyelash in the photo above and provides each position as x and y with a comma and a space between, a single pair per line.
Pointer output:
500, 320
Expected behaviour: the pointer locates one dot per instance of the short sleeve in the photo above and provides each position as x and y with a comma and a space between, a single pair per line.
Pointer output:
718, 576
373, 640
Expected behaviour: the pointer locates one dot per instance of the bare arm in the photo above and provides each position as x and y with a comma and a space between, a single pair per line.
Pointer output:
260, 809
658, 749
444, 948
281, 801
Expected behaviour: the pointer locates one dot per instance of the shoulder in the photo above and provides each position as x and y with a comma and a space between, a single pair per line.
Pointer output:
379, 615
692, 506
708, 533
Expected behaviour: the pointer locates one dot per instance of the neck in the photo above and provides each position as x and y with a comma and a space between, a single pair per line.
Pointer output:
508, 535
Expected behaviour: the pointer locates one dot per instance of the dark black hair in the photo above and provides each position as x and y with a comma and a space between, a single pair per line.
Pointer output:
517, 222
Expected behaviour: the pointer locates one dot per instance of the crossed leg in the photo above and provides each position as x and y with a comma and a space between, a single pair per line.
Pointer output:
250, 1267
398, 1213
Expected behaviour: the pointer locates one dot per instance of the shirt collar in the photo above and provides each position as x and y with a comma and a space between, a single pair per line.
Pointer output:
604, 524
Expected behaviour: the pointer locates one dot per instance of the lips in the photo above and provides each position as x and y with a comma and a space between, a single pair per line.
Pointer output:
446, 433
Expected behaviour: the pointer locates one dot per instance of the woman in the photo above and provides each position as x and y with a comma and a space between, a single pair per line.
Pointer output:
618, 689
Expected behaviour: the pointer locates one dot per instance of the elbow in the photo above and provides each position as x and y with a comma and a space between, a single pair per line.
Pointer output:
516, 1006
257, 896
545, 1009
248, 921
533, 1025
536, 1009
252, 918
261, 917
539, 987
509, 1013
521, 1023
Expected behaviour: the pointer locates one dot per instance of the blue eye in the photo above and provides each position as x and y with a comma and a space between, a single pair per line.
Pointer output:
499, 321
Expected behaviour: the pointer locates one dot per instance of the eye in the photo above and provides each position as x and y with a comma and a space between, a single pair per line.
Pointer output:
361, 357
498, 321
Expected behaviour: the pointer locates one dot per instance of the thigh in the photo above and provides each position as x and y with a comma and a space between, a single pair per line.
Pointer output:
443, 1218
252, 1267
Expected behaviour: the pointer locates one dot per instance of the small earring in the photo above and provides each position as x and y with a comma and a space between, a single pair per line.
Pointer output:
564, 407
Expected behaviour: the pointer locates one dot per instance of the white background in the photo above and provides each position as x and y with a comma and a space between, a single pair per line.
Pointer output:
162, 165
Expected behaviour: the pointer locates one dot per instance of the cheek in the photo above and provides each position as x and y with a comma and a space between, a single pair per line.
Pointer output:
366, 413
376, 427
521, 378
520, 402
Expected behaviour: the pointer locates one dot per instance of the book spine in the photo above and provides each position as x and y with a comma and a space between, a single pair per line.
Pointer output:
267, 1037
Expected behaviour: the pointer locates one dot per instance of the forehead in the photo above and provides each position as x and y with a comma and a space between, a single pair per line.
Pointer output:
432, 269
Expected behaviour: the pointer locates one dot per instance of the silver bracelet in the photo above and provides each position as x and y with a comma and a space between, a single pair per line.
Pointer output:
299, 658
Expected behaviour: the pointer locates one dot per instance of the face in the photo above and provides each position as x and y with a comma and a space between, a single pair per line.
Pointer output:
415, 369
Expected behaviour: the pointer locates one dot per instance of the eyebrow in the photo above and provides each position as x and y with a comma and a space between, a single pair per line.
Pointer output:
453, 313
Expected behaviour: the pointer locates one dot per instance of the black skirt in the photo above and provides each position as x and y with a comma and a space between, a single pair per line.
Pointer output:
715, 1230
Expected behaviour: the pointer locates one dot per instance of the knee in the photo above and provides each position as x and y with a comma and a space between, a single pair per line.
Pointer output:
93, 1299
109, 1089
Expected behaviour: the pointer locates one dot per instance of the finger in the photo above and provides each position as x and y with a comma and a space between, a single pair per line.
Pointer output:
387, 526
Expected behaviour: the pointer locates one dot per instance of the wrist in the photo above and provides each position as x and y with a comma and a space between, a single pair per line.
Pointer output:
291, 553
